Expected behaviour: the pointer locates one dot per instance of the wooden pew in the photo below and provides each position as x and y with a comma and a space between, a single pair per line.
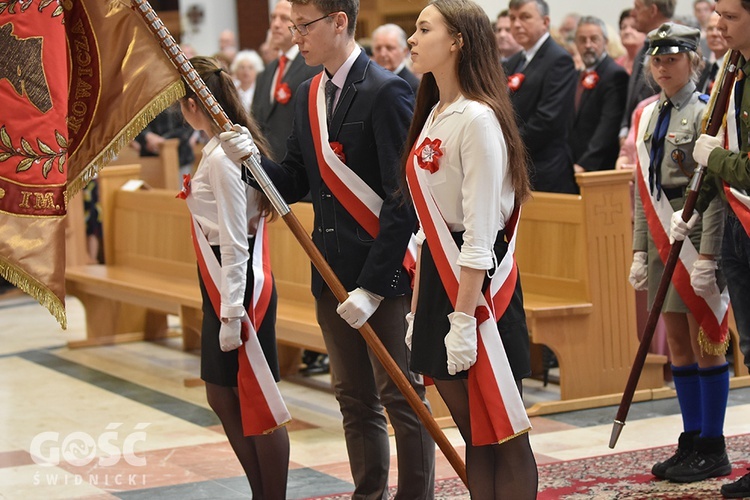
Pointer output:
574, 252
150, 268
161, 171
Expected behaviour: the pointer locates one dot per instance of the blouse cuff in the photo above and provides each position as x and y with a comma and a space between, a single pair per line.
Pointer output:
475, 258
232, 311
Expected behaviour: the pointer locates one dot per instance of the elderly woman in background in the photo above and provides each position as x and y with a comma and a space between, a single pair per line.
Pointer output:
245, 68
631, 39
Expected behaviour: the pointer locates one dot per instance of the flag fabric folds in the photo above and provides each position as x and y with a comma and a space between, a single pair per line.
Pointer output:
78, 81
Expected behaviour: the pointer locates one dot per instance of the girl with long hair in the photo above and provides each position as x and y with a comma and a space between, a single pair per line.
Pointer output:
229, 212
466, 154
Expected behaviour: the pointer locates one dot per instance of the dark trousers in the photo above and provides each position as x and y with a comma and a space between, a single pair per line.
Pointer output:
362, 388
735, 257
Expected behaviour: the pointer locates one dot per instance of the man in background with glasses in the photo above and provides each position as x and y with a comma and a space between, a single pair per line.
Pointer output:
350, 124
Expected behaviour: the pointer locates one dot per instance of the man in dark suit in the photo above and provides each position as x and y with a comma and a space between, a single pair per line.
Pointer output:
273, 110
389, 49
276, 87
648, 15
542, 82
346, 143
600, 100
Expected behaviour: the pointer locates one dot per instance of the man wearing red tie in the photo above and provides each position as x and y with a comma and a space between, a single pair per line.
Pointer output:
599, 102
273, 103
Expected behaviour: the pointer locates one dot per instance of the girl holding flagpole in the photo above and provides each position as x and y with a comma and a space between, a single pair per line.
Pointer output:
466, 172
239, 298
694, 313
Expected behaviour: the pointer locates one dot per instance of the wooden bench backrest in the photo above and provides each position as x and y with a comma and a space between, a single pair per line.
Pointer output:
289, 262
551, 247
152, 233
574, 245
147, 230
161, 171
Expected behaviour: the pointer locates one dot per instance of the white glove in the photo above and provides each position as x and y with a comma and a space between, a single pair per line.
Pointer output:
639, 271
358, 307
703, 278
461, 342
238, 144
409, 329
229, 334
705, 144
678, 228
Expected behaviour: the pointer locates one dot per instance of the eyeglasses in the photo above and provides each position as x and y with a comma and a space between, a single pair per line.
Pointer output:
302, 29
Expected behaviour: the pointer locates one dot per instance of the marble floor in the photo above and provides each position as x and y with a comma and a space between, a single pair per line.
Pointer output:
121, 422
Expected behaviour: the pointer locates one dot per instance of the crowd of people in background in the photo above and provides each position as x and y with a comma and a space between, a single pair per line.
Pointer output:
586, 96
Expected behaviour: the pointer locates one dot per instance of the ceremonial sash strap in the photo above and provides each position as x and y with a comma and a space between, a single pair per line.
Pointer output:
738, 200
261, 405
711, 313
495, 406
354, 194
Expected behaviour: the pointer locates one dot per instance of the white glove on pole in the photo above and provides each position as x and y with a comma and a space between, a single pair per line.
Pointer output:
229, 334
409, 329
703, 278
639, 271
678, 228
461, 342
705, 144
238, 144
358, 307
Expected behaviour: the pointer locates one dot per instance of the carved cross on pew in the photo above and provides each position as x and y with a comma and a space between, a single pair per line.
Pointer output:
608, 209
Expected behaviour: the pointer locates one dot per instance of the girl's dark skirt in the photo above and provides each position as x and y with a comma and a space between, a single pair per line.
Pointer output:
219, 367
431, 323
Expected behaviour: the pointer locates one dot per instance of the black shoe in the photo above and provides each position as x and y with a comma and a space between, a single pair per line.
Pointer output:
684, 448
737, 489
318, 366
708, 459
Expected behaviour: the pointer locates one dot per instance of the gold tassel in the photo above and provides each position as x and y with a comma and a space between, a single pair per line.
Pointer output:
158, 104
36, 289
710, 347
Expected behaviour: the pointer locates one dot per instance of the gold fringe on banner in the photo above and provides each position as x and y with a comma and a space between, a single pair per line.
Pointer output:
31, 286
158, 104
710, 347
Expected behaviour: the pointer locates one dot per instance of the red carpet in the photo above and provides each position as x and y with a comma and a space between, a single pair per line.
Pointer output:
613, 477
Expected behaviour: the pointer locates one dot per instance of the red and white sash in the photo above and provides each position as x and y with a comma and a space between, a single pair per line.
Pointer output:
261, 404
737, 198
496, 408
356, 196
711, 313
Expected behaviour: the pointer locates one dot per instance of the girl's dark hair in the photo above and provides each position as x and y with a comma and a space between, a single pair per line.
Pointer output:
222, 87
481, 78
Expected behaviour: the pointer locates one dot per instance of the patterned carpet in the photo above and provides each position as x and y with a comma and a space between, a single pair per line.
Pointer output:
612, 477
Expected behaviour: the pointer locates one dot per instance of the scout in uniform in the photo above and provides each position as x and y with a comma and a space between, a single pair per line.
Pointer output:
666, 133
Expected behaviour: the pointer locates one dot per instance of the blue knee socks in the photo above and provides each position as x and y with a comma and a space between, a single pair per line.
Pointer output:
714, 387
688, 387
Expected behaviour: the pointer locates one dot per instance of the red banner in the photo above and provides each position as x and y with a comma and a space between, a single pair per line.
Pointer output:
78, 80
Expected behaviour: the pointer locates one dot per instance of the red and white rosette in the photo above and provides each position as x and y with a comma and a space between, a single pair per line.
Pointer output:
515, 80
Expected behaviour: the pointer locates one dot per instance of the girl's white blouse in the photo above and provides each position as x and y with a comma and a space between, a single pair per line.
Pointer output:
227, 211
471, 187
